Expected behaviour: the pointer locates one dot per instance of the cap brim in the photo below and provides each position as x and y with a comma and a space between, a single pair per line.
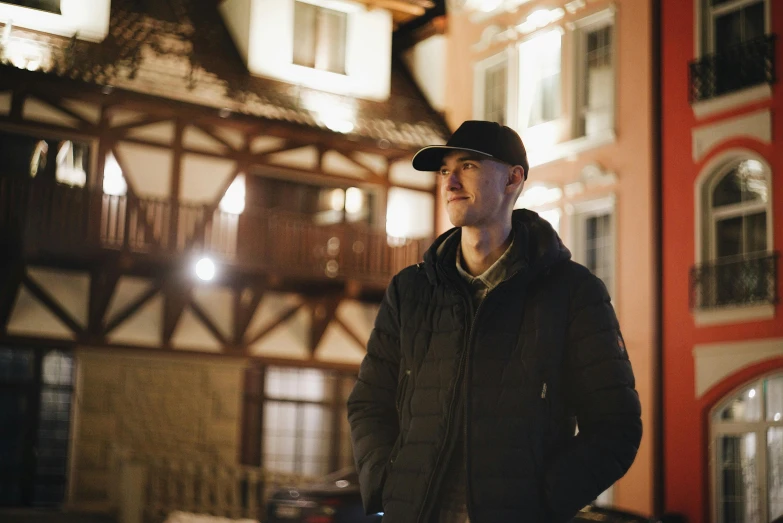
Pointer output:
430, 158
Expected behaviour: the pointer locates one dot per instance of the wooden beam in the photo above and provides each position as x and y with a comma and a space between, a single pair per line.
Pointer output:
53, 305
48, 100
322, 311
120, 130
131, 309
11, 273
282, 318
103, 282
401, 6
351, 334
209, 130
208, 323
176, 294
244, 312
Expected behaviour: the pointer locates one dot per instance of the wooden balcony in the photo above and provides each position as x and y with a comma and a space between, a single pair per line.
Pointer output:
54, 224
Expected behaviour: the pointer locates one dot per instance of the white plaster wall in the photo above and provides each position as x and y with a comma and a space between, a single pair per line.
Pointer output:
88, 19
409, 214
191, 334
69, 288
42, 112
427, 63
301, 158
203, 177
144, 328
263, 33
404, 173
148, 169
5, 102
31, 318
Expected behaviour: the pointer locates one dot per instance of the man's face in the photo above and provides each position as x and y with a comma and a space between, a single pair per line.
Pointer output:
474, 189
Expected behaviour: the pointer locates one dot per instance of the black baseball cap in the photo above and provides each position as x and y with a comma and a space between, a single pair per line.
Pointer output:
489, 139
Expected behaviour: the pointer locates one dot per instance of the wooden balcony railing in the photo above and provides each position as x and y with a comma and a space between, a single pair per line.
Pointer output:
54, 219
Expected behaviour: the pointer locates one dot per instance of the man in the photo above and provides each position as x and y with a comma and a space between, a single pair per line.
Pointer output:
485, 357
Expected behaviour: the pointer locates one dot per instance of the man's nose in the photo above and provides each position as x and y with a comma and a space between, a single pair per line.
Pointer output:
452, 182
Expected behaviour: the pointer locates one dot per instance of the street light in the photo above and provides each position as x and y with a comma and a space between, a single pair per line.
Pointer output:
205, 269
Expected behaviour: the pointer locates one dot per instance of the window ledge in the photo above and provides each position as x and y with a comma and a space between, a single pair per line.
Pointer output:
730, 101
729, 315
573, 147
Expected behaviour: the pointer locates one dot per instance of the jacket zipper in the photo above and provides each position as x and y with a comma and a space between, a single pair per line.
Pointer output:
461, 377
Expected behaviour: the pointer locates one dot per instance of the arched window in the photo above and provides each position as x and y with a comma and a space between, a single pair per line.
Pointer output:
737, 264
739, 200
746, 453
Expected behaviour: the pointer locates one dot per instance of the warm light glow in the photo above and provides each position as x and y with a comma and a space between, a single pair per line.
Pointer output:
777, 416
333, 112
25, 54
337, 199
354, 200
537, 196
752, 393
233, 202
540, 18
489, 5
114, 183
205, 269
69, 167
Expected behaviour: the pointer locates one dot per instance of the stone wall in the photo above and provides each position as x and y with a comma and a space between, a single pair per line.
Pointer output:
167, 404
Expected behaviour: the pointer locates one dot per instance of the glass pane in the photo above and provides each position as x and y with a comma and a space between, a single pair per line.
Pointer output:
13, 416
330, 48
756, 233
775, 473
279, 441
738, 487
299, 384
495, 82
316, 440
304, 33
57, 368
774, 392
753, 21
746, 406
746, 183
728, 31
16, 364
728, 236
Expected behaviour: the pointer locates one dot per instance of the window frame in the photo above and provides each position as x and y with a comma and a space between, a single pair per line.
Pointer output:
705, 27
480, 69
255, 400
582, 28
705, 185
759, 428
324, 5
580, 212
524, 127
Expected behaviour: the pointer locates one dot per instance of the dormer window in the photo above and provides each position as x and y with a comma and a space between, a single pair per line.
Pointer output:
319, 37
50, 6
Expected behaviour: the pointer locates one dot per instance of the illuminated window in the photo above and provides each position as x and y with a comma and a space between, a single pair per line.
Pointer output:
492, 89
319, 37
539, 79
233, 202
114, 183
595, 76
50, 6
747, 453
303, 428
70, 164
594, 237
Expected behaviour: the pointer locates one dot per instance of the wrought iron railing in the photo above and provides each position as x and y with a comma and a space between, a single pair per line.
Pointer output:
735, 281
744, 65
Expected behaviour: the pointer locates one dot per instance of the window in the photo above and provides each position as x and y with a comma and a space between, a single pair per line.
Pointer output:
733, 22
303, 427
319, 37
539, 79
737, 264
738, 206
51, 6
36, 388
63, 161
594, 235
596, 76
492, 88
543, 199
747, 454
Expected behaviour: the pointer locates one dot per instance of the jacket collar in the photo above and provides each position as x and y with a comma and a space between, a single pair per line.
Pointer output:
539, 248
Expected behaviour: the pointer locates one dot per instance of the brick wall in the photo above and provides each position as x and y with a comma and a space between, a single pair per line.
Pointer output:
183, 406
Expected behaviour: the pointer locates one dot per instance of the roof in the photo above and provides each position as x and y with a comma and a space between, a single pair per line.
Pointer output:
181, 50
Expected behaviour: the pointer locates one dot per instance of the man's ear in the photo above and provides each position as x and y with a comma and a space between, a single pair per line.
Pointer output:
516, 179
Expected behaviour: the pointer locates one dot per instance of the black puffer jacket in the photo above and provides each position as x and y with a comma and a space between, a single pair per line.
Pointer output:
543, 351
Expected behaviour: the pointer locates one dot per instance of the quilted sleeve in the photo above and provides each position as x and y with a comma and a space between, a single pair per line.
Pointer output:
371, 405
600, 390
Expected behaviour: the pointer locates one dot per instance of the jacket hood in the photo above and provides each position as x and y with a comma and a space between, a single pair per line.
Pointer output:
541, 247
